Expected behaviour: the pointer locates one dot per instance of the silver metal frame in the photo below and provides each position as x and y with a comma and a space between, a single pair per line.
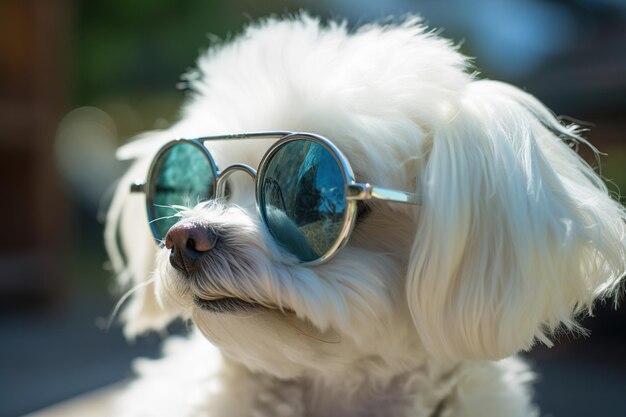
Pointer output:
354, 190
147, 186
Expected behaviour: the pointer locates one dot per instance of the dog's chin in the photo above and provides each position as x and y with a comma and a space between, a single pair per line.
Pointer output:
266, 339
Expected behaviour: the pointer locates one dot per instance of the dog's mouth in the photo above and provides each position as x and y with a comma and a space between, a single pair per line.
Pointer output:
234, 305
226, 305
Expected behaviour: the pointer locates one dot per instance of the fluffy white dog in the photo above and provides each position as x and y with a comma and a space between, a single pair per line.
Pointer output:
512, 237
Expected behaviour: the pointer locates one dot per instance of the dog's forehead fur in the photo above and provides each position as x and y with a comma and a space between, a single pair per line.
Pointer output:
367, 89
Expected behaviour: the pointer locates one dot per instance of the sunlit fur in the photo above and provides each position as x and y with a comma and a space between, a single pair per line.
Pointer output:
420, 313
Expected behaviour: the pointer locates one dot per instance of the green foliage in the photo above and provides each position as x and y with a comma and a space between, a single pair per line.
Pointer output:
128, 55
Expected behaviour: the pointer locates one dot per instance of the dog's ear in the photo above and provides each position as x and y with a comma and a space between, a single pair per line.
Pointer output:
132, 250
516, 233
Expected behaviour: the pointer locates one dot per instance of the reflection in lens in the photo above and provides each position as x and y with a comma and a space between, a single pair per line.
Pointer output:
303, 198
183, 176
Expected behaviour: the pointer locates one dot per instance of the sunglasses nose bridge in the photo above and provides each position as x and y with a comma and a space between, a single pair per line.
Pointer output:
222, 176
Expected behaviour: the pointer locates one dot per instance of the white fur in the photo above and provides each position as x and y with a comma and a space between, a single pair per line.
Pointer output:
515, 236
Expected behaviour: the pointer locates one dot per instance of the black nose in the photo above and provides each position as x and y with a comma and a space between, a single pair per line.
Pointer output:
189, 242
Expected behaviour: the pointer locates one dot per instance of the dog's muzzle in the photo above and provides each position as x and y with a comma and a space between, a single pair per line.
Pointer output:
189, 243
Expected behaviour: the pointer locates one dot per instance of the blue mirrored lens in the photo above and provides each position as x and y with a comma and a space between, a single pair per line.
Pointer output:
183, 176
303, 198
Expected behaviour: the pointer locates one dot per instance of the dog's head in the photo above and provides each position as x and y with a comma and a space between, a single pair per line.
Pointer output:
513, 236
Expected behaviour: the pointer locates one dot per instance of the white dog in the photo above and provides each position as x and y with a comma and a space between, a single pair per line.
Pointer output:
509, 236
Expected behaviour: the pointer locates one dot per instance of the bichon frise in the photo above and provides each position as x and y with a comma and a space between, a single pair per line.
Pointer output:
356, 225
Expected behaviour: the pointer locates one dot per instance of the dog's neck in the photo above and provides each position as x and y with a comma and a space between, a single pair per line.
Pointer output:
417, 392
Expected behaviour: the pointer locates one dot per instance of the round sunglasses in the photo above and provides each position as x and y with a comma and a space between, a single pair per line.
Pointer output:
306, 193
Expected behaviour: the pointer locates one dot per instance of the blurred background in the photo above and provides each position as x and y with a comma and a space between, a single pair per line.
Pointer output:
113, 68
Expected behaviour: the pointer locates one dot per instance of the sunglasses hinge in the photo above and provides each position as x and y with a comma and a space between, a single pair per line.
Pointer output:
138, 186
359, 191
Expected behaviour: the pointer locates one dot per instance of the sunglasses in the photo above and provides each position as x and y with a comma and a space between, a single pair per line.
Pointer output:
306, 193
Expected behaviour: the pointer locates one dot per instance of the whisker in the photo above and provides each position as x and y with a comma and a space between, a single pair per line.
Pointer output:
167, 206
163, 218
179, 209
123, 299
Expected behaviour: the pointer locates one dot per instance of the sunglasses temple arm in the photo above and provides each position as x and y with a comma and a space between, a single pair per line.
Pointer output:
367, 192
